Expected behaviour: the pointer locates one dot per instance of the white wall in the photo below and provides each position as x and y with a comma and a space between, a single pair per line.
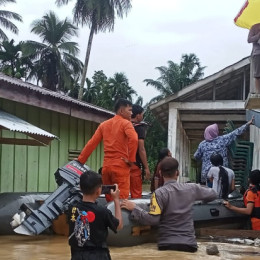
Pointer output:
254, 137
178, 143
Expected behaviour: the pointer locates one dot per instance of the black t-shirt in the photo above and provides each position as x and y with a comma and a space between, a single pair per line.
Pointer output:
140, 129
97, 224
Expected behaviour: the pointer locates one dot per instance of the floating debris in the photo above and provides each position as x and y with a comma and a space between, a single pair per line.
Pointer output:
212, 249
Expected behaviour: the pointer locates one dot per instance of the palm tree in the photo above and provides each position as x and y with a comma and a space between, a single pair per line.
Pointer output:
191, 70
176, 76
5, 17
103, 91
12, 61
99, 15
91, 93
119, 87
139, 101
55, 58
9, 55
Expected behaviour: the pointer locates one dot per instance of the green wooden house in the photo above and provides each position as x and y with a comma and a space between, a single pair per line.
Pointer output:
30, 168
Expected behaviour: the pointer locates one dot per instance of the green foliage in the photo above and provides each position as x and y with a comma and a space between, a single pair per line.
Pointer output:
139, 101
5, 17
12, 61
155, 140
172, 79
99, 15
54, 59
176, 76
103, 91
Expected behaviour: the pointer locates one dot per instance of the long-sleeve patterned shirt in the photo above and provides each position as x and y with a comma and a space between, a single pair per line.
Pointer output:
218, 145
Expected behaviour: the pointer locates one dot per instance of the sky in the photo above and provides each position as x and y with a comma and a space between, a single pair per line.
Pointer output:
153, 33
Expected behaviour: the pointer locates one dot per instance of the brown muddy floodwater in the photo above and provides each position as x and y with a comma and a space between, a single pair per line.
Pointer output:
45, 247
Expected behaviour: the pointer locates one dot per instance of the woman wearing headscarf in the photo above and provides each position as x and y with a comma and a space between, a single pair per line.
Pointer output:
215, 144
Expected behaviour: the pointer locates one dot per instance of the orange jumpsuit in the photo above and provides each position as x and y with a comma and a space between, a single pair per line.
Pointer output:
120, 141
136, 182
254, 197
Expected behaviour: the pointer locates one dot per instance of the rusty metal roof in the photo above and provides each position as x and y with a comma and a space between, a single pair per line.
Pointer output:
47, 92
13, 123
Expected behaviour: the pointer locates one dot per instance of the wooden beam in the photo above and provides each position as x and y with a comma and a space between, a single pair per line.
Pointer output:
214, 91
209, 105
228, 233
193, 132
244, 85
140, 230
198, 125
211, 118
20, 142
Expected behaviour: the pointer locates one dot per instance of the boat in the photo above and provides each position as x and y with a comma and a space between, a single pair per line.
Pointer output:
211, 214
30, 218
10, 203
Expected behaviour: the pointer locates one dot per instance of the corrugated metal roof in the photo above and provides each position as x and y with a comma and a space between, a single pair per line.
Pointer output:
14, 123
54, 94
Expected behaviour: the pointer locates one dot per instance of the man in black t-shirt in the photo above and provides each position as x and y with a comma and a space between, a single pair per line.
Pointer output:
89, 221
141, 158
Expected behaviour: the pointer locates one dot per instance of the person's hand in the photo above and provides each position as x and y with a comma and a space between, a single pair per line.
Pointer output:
115, 193
227, 204
147, 174
127, 204
127, 161
252, 121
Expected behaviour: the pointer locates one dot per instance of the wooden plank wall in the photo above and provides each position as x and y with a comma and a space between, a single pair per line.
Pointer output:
32, 168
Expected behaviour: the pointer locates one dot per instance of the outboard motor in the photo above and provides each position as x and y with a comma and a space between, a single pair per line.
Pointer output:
34, 222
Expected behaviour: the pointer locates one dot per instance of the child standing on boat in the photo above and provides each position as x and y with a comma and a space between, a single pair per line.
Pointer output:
251, 199
89, 222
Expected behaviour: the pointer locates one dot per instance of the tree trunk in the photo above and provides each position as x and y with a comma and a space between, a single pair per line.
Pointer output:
85, 68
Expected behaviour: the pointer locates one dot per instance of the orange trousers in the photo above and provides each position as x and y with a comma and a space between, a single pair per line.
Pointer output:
117, 175
135, 182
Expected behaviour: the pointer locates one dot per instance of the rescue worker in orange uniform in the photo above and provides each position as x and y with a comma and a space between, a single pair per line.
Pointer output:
120, 146
141, 158
251, 200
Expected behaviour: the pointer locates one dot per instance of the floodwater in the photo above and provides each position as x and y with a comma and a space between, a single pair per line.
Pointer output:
47, 247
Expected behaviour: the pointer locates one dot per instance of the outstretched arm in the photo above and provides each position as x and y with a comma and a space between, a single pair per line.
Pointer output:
247, 211
139, 214
203, 193
90, 146
229, 138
